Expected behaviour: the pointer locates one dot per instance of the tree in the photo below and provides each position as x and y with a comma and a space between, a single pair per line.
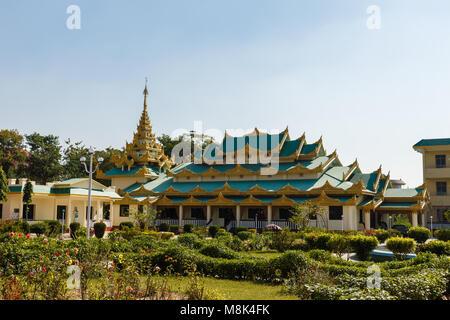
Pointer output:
302, 213
447, 215
72, 166
168, 143
144, 218
27, 196
3, 186
44, 156
107, 155
12, 151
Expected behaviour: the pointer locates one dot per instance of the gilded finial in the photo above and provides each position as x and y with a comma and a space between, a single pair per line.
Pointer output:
145, 93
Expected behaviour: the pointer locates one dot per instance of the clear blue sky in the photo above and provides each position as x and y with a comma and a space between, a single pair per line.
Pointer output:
311, 65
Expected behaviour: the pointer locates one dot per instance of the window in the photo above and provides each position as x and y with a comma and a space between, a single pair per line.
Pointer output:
140, 208
440, 215
124, 210
198, 213
360, 216
225, 213
285, 214
441, 188
1, 210
30, 215
106, 211
335, 213
440, 161
169, 213
60, 212
252, 212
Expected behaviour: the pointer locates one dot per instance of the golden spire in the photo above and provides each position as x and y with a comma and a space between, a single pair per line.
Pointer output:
145, 94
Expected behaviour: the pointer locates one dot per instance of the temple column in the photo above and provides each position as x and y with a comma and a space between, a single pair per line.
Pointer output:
414, 219
269, 213
83, 214
238, 215
423, 219
208, 213
367, 219
111, 213
180, 215
99, 212
69, 213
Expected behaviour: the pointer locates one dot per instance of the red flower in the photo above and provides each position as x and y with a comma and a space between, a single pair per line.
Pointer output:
20, 235
76, 262
57, 254
28, 236
44, 269
11, 234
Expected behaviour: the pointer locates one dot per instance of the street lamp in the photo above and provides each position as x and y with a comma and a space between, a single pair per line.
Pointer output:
431, 226
90, 172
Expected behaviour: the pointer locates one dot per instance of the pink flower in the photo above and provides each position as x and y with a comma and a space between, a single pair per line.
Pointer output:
75, 249
11, 234
76, 261
45, 240
157, 268
129, 289
28, 236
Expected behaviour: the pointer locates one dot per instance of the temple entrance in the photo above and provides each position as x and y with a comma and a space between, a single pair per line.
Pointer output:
227, 214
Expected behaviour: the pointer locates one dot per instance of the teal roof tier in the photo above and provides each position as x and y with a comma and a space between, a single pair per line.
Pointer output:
289, 148
132, 171
402, 193
397, 204
263, 142
433, 142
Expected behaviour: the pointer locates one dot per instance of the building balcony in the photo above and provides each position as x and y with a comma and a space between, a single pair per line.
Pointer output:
440, 199
436, 173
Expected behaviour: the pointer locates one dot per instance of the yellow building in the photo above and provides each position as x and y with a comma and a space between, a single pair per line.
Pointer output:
436, 175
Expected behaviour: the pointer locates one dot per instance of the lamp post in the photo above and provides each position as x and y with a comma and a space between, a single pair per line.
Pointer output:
62, 224
90, 172
431, 226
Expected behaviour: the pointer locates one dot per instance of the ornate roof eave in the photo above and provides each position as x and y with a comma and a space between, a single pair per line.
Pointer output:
226, 189
101, 175
251, 201
142, 191
165, 201
127, 200
221, 200
377, 180
352, 169
313, 153
324, 199
283, 201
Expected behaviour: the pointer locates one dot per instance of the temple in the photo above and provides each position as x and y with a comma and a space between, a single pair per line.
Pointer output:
254, 180
250, 181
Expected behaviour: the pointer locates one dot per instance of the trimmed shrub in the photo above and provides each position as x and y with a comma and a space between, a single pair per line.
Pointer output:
283, 240
212, 230
437, 247
99, 229
253, 231
394, 233
25, 227
39, 228
320, 255
174, 229
339, 244
317, 240
53, 228
143, 242
443, 234
363, 245
382, 235
163, 227
74, 227
167, 235
239, 229
420, 234
127, 224
190, 240
401, 246
244, 235
188, 227
217, 250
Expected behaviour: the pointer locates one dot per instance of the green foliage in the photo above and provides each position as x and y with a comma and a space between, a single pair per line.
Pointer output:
420, 234
437, 247
187, 228
74, 228
53, 228
317, 240
216, 250
401, 246
127, 224
174, 229
239, 229
167, 235
12, 152
145, 218
339, 244
190, 240
212, 230
382, 235
99, 229
3, 186
168, 143
402, 219
244, 235
43, 163
283, 240
39, 228
302, 213
363, 245
164, 227
443, 234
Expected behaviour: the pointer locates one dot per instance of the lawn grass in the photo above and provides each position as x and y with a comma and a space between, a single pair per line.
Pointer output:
234, 289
